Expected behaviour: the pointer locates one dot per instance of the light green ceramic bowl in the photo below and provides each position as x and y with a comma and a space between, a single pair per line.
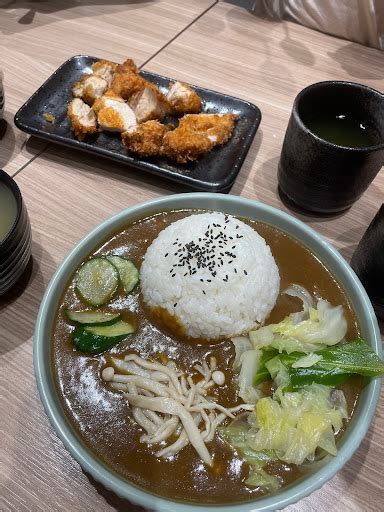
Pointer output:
319, 474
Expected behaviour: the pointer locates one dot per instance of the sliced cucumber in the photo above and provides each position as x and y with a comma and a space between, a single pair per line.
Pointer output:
97, 339
128, 273
90, 317
90, 343
120, 328
97, 281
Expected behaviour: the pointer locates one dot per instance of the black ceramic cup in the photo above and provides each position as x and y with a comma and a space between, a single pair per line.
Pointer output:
15, 247
368, 262
323, 176
2, 101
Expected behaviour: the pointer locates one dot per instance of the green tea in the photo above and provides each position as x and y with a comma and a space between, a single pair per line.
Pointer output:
8, 210
343, 129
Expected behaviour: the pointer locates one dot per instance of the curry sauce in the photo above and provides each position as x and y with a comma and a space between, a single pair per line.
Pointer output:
102, 417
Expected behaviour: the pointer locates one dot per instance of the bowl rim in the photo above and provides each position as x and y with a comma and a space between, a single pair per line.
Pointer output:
15, 191
91, 464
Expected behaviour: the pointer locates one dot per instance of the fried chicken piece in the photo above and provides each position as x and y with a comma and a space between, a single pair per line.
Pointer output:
109, 94
197, 134
149, 104
82, 117
146, 140
89, 88
144, 97
128, 66
127, 84
104, 69
183, 99
114, 114
127, 80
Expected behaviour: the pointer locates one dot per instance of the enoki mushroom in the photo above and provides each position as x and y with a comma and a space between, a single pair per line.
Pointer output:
166, 403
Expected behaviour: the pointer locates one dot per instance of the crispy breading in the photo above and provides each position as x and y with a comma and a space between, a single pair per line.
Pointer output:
114, 114
49, 117
144, 97
105, 69
110, 119
183, 99
150, 103
146, 140
128, 66
100, 102
197, 134
82, 117
89, 88
127, 84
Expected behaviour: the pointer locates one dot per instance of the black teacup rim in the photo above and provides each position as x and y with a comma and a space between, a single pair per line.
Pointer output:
295, 113
8, 180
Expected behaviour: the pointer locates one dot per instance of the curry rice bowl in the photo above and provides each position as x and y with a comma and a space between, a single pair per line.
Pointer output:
212, 273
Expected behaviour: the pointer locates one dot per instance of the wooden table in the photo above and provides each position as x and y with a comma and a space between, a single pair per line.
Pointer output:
215, 45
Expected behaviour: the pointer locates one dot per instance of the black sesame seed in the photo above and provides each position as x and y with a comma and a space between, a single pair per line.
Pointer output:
245, 272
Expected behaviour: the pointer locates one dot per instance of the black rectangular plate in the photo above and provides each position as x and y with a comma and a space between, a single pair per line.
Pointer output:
214, 172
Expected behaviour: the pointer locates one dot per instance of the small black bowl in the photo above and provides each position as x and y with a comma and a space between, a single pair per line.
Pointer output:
2, 100
15, 248
322, 176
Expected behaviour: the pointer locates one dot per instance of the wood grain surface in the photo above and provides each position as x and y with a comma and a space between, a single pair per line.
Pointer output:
37, 37
68, 193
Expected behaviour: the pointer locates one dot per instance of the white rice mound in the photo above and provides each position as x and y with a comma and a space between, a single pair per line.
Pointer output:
213, 272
